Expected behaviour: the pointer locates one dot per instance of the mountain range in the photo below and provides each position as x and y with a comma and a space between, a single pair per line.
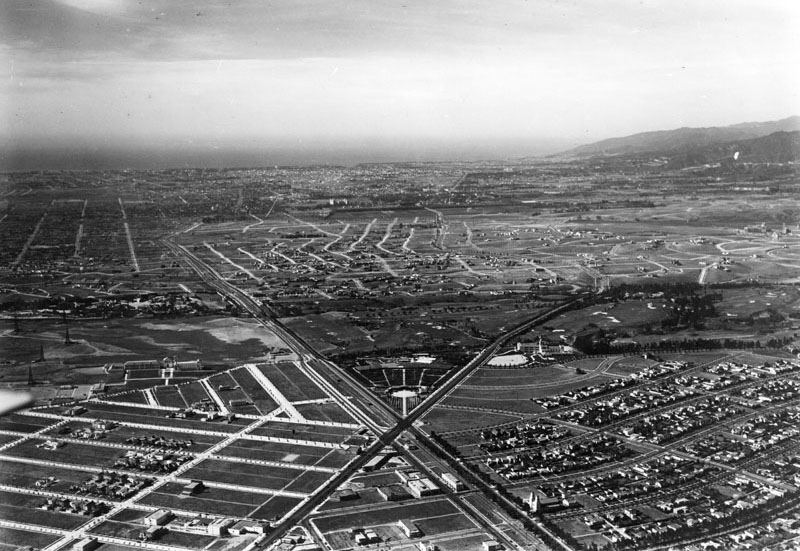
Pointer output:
773, 141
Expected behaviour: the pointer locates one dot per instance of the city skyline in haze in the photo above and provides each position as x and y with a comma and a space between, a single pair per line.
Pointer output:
119, 81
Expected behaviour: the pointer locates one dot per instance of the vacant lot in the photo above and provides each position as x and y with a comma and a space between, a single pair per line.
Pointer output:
302, 431
216, 501
275, 451
291, 382
256, 476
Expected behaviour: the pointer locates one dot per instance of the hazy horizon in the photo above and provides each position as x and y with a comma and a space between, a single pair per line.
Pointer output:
118, 83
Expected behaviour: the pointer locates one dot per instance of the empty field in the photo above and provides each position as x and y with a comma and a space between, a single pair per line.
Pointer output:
256, 476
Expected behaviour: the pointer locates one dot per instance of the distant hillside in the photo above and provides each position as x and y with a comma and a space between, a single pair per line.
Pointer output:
685, 139
778, 147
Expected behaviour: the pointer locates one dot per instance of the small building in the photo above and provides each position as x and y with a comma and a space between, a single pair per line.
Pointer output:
86, 544
75, 411
452, 482
426, 546
410, 529
158, 518
492, 545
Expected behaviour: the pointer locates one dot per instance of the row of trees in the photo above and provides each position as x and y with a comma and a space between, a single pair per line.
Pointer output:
605, 347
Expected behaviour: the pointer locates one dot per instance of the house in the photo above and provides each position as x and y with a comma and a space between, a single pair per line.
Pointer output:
491, 545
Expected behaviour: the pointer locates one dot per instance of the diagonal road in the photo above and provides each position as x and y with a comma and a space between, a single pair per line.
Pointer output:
359, 402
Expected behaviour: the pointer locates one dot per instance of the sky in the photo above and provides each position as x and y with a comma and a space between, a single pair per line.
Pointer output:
316, 80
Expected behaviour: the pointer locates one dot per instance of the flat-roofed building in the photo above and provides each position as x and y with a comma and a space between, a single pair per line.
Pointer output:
158, 518
422, 487
410, 529
452, 482
394, 493
86, 544
219, 527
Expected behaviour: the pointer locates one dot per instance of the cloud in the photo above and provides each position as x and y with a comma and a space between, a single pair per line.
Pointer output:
460, 69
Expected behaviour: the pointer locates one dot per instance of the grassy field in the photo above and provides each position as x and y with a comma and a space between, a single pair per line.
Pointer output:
169, 396
308, 482
13, 540
256, 476
71, 452
275, 508
115, 412
24, 508
529, 377
254, 391
513, 402
302, 431
24, 424
291, 382
276, 451
325, 412
216, 501
443, 420
25, 475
